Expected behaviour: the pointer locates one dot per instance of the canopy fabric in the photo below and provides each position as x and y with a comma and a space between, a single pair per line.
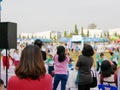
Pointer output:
63, 39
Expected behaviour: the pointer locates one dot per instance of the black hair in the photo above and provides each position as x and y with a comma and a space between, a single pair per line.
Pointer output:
38, 42
61, 53
106, 69
1, 82
111, 53
101, 54
87, 50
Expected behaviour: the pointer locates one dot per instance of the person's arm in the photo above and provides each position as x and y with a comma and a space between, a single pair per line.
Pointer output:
77, 64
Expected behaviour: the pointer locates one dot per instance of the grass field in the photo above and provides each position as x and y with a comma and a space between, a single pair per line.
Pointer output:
75, 57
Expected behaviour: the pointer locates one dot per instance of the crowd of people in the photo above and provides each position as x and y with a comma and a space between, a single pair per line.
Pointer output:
44, 68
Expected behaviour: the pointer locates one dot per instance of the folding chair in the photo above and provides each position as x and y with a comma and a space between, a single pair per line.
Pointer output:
106, 87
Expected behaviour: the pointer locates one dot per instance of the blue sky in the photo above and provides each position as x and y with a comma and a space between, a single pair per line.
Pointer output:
60, 15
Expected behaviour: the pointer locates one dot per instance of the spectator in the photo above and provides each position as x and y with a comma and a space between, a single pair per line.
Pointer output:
1, 84
113, 58
84, 64
16, 57
30, 72
61, 68
5, 61
107, 75
39, 43
50, 63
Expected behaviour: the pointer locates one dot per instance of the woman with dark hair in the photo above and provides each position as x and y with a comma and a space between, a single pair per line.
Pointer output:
61, 68
39, 43
84, 64
30, 72
107, 75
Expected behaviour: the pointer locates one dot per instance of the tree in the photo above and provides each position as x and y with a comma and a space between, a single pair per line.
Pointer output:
108, 35
19, 36
92, 26
65, 34
88, 33
101, 36
115, 34
32, 36
82, 34
70, 35
76, 30
105, 34
55, 38
50, 35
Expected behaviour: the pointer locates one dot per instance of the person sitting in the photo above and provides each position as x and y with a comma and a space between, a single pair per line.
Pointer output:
30, 72
107, 75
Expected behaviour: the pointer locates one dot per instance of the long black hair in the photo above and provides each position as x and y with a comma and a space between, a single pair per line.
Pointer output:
61, 53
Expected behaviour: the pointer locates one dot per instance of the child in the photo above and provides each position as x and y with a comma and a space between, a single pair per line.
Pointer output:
50, 63
100, 59
113, 58
1, 84
16, 57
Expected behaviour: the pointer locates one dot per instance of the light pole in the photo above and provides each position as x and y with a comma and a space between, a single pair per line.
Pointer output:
0, 9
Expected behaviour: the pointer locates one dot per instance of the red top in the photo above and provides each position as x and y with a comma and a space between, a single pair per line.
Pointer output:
44, 83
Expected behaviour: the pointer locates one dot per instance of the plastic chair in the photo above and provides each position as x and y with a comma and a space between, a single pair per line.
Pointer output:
106, 87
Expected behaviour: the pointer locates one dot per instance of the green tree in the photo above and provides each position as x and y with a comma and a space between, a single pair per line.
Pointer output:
70, 35
50, 35
115, 34
32, 36
105, 34
108, 35
92, 26
55, 38
82, 34
65, 34
19, 36
76, 30
101, 36
88, 33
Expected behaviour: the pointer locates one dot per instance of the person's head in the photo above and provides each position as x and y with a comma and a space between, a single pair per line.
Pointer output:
87, 50
50, 54
1, 84
38, 42
61, 53
31, 63
111, 53
106, 68
101, 55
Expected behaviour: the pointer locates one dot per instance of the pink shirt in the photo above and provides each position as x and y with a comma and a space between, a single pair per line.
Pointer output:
61, 67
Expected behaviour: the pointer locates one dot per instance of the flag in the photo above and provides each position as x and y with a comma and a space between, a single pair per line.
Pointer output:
0, 0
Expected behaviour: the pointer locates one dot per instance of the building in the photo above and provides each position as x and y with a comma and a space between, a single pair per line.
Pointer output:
44, 34
112, 32
93, 32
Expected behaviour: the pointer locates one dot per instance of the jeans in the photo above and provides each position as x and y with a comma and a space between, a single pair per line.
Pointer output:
60, 77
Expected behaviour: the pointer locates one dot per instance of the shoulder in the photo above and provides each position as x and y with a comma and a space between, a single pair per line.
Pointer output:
14, 79
48, 77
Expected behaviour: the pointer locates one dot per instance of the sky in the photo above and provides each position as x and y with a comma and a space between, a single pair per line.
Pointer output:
60, 15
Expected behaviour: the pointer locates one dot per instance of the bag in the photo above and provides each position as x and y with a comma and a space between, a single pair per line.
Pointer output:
77, 77
94, 83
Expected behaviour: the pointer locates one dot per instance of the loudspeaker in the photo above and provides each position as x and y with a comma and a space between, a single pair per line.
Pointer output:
8, 35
